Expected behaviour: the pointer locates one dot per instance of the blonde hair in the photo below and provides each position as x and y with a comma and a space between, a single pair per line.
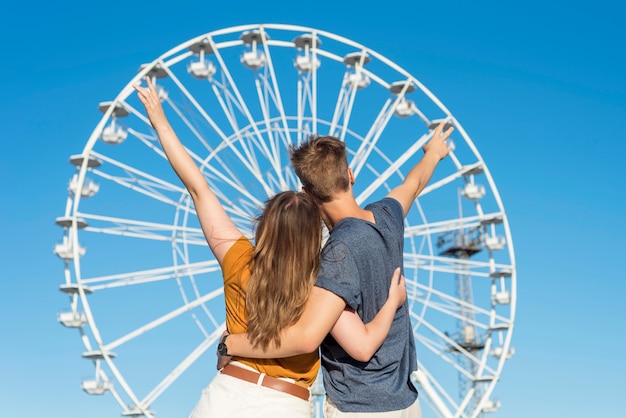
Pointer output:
284, 265
321, 164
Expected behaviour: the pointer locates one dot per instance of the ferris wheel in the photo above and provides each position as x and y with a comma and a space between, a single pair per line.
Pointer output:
142, 285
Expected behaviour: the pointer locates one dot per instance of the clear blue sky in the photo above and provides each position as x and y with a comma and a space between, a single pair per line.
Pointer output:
539, 86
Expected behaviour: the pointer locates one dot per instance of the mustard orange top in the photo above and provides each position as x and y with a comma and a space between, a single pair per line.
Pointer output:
302, 368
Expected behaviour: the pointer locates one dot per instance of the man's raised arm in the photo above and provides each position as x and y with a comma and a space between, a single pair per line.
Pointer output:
321, 311
434, 151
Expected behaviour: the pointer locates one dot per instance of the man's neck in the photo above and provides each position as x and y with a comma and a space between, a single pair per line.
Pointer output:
343, 205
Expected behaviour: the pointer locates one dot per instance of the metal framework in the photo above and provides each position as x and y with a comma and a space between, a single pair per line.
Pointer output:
137, 269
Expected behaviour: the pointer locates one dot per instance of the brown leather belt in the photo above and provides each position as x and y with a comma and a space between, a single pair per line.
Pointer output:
267, 381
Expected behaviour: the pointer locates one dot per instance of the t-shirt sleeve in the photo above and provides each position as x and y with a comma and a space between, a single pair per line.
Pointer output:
339, 273
394, 210
235, 260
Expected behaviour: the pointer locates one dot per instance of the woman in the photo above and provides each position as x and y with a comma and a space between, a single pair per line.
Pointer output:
265, 289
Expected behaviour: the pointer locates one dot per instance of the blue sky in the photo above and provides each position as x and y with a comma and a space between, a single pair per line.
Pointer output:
539, 86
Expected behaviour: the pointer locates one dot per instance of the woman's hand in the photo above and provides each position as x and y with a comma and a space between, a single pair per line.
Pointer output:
150, 99
397, 289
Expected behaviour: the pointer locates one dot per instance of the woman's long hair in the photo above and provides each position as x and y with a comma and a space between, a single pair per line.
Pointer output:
284, 266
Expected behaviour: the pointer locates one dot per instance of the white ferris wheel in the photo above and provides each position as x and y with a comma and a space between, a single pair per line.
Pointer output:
143, 286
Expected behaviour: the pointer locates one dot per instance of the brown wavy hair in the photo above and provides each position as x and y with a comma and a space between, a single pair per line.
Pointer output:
321, 164
284, 266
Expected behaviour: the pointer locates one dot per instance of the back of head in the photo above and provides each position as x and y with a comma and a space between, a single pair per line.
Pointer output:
321, 164
284, 265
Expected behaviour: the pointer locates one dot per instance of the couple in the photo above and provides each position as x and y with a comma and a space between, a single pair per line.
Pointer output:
283, 301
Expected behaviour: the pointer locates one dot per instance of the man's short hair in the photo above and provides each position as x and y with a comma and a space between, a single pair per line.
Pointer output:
321, 164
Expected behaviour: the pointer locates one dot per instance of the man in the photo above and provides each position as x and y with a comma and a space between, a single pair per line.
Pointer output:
364, 247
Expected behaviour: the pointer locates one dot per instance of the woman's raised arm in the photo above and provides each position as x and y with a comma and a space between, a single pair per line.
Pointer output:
219, 230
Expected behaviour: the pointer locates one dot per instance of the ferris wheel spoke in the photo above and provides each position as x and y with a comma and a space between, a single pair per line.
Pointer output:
449, 225
417, 111
444, 355
245, 160
218, 177
271, 153
307, 91
274, 92
220, 133
443, 347
144, 230
435, 391
443, 264
150, 183
312, 88
117, 396
184, 365
345, 99
452, 177
122, 382
163, 319
372, 137
452, 310
151, 275
303, 92
456, 304
150, 141
453, 307
446, 346
393, 168
241, 105
306, 87
138, 180
101, 384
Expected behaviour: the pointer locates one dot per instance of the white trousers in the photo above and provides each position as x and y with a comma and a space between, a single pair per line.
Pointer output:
413, 411
230, 397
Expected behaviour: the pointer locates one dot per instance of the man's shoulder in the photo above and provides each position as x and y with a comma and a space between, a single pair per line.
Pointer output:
388, 203
388, 208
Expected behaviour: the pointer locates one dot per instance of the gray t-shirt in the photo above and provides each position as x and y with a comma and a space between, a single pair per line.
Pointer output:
357, 264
